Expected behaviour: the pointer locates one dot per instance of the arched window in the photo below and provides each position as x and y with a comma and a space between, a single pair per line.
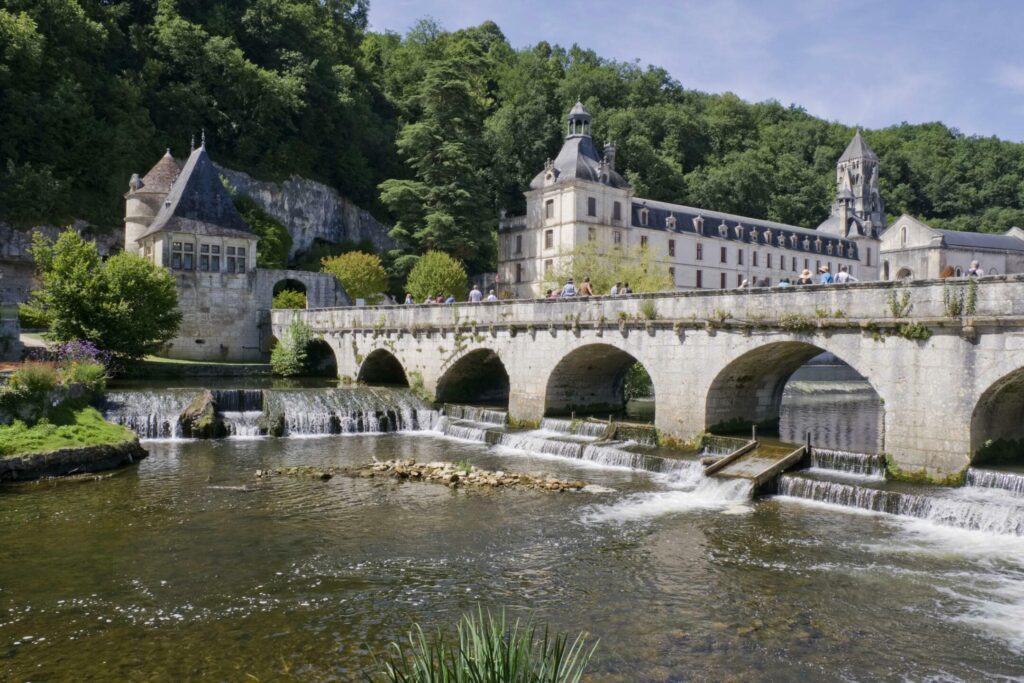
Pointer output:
903, 236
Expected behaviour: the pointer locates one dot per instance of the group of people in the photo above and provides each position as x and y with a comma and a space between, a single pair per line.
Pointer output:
585, 289
475, 296
825, 277
974, 271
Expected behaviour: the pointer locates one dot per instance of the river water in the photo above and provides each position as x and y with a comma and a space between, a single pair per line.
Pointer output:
187, 567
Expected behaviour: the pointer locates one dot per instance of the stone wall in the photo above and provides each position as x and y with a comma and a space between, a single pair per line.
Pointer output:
311, 211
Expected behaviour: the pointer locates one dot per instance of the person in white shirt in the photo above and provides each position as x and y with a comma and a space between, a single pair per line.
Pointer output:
843, 276
491, 296
615, 290
569, 289
475, 295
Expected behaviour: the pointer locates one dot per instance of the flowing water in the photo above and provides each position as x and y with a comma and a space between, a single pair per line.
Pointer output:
188, 567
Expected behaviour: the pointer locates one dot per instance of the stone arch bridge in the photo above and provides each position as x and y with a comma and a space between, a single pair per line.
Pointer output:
946, 358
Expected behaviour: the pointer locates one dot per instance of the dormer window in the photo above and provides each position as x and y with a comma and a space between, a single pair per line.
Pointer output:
753, 235
817, 245
842, 249
767, 236
644, 216
723, 230
793, 241
828, 248
807, 244
698, 225
782, 240
739, 231
670, 222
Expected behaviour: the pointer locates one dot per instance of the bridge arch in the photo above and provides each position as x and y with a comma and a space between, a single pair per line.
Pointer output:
997, 422
320, 359
590, 379
382, 367
477, 377
750, 388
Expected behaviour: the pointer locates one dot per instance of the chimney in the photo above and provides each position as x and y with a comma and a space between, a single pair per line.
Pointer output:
609, 156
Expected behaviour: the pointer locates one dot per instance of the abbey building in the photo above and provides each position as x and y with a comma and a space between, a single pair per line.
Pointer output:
579, 197
180, 217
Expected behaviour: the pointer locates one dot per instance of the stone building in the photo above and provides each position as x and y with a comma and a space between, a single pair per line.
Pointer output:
580, 198
180, 217
913, 250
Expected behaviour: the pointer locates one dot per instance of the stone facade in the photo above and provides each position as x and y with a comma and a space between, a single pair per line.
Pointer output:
713, 356
579, 199
911, 249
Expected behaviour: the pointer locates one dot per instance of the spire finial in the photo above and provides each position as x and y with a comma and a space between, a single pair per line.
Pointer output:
192, 143
203, 145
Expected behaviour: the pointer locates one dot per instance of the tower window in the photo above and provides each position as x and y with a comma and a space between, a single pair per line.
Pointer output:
700, 253
671, 247
869, 257
617, 211
549, 208
903, 236
591, 206
519, 244
519, 273
721, 281
549, 239
700, 279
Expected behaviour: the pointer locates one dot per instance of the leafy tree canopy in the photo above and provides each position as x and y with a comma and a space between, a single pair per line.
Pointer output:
126, 305
437, 274
361, 274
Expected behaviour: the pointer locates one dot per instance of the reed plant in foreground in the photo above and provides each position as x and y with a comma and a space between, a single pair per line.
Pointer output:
489, 650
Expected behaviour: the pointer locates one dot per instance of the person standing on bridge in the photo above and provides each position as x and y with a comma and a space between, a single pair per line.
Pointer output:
843, 276
825, 277
585, 288
975, 270
805, 278
615, 289
475, 295
491, 296
569, 289
408, 299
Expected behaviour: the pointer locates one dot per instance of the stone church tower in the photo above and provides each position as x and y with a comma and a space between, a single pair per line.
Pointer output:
144, 198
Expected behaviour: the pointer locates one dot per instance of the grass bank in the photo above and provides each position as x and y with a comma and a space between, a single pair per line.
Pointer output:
65, 427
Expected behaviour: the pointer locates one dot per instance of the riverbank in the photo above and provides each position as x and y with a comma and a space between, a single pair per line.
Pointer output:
70, 441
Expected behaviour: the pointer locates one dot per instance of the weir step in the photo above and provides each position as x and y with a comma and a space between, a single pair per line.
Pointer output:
757, 462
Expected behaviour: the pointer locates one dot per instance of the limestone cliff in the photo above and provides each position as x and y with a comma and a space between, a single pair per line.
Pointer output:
311, 211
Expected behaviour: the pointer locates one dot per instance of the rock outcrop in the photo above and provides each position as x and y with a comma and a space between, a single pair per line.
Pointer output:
199, 419
71, 461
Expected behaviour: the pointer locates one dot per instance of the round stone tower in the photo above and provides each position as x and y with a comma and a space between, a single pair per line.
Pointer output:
145, 196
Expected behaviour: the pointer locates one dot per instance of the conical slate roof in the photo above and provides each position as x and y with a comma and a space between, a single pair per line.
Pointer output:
198, 203
857, 149
162, 176
578, 111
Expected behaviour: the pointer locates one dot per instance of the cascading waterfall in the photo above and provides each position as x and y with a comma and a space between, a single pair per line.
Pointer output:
317, 412
860, 465
475, 414
585, 428
242, 424
152, 414
995, 479
963, 508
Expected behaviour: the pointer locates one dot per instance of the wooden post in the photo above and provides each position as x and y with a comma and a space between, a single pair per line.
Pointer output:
753, 433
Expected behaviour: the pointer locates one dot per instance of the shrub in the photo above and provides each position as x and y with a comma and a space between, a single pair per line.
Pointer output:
289, 298
361, 274
290, 356
31, 318
437, 273
90, 374
489, 650
35, 378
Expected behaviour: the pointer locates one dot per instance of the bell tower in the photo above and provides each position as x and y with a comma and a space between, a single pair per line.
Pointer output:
858, 202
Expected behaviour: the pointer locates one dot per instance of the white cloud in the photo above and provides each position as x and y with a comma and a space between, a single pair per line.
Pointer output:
1010, 76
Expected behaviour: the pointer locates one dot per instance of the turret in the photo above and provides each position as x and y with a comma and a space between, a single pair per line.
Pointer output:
144, 198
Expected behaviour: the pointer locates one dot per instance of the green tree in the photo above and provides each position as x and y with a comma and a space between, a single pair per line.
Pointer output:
289, 298
290, 356
126, 305
361, 274
437, 274
605, 267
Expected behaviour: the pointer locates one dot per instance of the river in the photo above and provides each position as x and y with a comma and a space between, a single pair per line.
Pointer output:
187, 567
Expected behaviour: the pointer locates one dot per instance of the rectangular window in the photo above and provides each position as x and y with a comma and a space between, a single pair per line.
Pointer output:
769, 260
188, 259
549, 208
591, 206
215, 258
549, 239
700, 253
700, 279
519, 244
643, 241
739, 279
176, 253
671, 247
739, 257
721, 281
549, 268
807, 264
817, 266
617, 238
782, 261
240, 265
753, 258
617, 211
724, 255
230, 257
519, 273
794, 264
869, 257
204, 257
591, 234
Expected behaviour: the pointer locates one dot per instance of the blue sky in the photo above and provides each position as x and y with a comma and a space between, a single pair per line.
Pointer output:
872, 63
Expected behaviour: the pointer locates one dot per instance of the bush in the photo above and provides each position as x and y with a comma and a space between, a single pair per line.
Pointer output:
31, 318
289, 298
290, 356
437, 273
489, 650
361, 274
35, 378
90, 374
638, 383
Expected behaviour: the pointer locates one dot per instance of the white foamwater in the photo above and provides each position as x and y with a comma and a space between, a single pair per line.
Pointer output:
995, 479
854, 465
475, 414
317, 412
242, 424
150, 414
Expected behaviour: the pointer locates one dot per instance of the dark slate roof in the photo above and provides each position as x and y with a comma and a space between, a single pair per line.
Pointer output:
857, 149
578, 112
199, 204
162, 176
980, 240
578, 160
659, 213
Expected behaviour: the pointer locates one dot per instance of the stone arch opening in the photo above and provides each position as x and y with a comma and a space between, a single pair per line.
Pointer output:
383, 368
289, 293
320, 359
591, 380
479, 377
827, 397
997, 423
904, 274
